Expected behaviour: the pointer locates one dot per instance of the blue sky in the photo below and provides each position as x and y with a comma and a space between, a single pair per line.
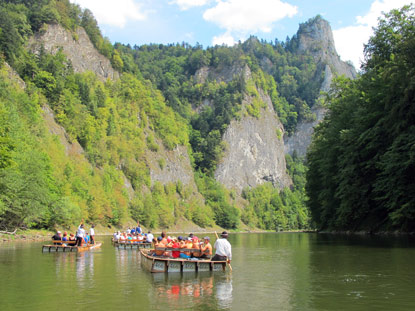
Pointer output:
211, 22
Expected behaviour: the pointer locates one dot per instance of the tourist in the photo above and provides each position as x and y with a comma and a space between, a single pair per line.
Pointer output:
196, 245
150, 237
72, 239
188, 245
57, 237
206, 248
65, 238
159, 243
92, 234
175, 244
80, 233
86, 238
181, 241
223, 249
140, 238
163, 236
138, 228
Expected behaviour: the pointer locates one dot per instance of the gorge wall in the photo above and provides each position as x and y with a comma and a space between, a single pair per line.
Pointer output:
316, 37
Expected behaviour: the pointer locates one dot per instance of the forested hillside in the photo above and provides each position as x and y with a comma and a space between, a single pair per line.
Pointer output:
164, 100
362, 159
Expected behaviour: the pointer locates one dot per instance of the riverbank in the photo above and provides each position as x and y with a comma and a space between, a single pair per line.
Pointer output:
26, 235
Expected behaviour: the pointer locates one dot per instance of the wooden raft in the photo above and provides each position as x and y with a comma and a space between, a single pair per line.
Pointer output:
71, 247
134, 244
156, 264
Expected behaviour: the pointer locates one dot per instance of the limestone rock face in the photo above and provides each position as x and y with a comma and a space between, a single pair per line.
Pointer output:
81, 52
255, 152
170, 166
225, 74
315, 37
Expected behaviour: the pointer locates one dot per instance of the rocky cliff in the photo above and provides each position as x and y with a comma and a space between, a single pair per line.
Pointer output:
80, 51
316, 38
255, 149
255, 152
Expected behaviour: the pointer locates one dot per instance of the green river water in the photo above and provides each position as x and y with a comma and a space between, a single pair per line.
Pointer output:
271, 271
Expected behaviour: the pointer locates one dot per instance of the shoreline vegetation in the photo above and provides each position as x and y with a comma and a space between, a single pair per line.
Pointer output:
44, 235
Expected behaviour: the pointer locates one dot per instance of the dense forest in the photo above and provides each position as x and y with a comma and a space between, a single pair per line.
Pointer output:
157, 104
362, 159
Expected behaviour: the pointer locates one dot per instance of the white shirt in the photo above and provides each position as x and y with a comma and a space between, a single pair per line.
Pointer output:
150, 238
223, 248
92, 231
80, 232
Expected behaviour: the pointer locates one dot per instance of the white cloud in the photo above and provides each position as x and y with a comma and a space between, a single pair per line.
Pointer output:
350, 40
242, 17
187, 4
225, 39
114, 13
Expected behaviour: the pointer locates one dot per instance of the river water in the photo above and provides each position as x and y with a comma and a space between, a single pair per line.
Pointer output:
271, 271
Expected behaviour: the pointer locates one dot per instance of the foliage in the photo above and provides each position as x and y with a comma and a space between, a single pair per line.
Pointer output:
162, 98
275, 209
361, 164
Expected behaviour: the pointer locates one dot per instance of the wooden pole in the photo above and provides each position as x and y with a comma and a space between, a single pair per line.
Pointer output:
229, 264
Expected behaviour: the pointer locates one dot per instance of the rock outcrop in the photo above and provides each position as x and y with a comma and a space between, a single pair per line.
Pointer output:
255, 151
81, 52
316, 38
170, 166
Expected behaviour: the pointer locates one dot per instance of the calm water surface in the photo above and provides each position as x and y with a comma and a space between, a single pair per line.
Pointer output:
288, 271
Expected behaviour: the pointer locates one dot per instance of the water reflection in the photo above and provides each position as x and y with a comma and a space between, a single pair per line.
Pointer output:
65, 262
85, 268
203, 290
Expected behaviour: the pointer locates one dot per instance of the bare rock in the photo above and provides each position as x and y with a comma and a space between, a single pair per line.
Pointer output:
255, 152
81, 52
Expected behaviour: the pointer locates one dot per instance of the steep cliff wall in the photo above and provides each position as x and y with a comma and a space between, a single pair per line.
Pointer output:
315, 37
255, 152
81, 52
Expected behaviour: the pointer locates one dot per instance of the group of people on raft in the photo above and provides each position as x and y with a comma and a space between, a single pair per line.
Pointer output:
192, 248
133, 235
81, 237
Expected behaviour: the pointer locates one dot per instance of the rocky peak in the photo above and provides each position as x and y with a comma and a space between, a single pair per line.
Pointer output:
316, 37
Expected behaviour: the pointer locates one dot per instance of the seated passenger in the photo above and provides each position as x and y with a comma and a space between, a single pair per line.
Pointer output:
57, 237
164, 238
196, 245
72, 237
206, 248
175, 244
123, 237
187, 245
65, 238
159, 244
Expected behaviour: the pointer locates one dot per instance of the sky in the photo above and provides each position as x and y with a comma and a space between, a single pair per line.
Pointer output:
211, 22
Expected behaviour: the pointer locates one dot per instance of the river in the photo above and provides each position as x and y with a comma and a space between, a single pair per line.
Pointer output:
271, 271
